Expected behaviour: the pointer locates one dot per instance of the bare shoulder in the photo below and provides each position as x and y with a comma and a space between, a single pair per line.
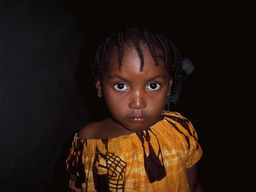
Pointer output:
104, 129
96, 130
89, 131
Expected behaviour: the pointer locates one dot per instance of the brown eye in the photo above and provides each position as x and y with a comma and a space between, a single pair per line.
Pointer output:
120, 87
153, 86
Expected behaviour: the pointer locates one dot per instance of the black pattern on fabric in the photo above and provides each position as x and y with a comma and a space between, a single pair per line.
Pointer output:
108, 172
153, 165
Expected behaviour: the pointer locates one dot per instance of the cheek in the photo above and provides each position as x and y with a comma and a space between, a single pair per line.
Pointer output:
115, 103
158, 102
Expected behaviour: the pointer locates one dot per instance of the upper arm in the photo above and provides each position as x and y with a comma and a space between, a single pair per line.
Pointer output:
193, 181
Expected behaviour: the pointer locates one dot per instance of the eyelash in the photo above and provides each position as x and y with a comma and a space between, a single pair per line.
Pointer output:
124, 85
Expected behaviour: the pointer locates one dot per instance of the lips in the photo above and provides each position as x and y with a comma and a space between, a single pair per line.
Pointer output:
137, 116
138, 119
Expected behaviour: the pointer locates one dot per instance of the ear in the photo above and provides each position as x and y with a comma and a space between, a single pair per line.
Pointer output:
98, 86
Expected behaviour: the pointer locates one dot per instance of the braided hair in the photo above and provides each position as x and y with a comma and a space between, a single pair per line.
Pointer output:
155, 41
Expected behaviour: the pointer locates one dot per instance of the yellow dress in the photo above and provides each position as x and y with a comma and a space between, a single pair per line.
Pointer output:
155, 159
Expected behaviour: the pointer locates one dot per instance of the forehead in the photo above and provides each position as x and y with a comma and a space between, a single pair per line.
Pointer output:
131, 61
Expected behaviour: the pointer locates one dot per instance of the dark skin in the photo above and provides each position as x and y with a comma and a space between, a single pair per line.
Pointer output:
135, 98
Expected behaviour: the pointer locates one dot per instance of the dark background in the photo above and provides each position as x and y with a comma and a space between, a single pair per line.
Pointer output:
40, 104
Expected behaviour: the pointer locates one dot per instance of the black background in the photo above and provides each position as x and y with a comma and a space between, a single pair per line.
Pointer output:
40, 104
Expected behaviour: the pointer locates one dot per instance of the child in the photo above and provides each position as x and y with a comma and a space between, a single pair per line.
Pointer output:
140, 147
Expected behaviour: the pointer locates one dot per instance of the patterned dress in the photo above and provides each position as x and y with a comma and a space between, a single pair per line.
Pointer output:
155, 159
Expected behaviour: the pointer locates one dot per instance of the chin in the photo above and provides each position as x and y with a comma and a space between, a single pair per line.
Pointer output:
137, 126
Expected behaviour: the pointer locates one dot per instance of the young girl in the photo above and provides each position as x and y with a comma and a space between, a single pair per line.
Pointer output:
140, 147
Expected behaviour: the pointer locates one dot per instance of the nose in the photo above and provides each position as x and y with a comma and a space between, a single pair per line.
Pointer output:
137, 100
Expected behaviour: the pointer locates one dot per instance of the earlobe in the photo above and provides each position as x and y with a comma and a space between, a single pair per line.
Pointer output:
98, 86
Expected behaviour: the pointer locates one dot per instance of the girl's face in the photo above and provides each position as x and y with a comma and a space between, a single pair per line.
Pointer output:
135, 98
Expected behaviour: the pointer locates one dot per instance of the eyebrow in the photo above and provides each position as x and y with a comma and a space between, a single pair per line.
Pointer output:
156, 77
116, 76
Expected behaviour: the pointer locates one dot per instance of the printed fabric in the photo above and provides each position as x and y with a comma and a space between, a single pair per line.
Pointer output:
155, 159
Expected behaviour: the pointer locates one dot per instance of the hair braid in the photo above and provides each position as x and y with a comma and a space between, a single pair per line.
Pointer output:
96, 66
165, 49
136, 42
120, 51
151, 47
176, 66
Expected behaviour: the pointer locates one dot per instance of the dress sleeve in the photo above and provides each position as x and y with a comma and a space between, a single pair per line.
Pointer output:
75, 166
193, 150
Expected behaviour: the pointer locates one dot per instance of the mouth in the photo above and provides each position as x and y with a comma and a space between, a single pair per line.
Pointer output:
138, 119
